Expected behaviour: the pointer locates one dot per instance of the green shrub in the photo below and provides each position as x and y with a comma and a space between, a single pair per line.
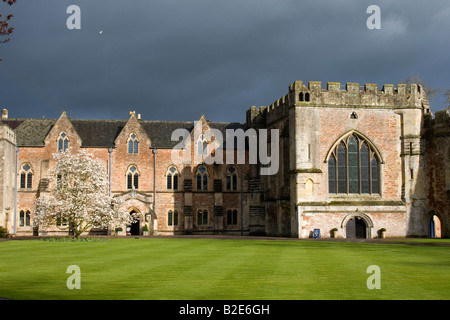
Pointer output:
3, 232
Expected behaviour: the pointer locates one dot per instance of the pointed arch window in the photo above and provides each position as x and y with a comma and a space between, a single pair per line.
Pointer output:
231, 178
202, 217
172, 178
24, 218
26, 176
232, 217
132, 178
353, 167
172, 218
133, 143
202, 178
202, 146
63, 142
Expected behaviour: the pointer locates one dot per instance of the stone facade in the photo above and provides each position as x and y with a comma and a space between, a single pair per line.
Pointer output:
355, 159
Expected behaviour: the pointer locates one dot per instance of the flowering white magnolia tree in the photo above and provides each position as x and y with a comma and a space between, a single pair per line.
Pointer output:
79, 199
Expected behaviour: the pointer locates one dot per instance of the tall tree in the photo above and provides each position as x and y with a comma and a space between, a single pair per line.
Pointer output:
5, 29
431, 92
80, 197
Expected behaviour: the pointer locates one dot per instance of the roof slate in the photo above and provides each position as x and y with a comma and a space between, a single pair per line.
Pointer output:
102, 133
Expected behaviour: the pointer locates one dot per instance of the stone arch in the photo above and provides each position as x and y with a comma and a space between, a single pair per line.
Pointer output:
435, 223
358, 215
135, 228
361, 136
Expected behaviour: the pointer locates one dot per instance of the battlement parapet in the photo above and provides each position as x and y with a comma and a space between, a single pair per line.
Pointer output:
352, 94
440, 124
337, 95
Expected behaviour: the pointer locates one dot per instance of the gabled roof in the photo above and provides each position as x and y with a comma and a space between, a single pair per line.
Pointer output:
102, 133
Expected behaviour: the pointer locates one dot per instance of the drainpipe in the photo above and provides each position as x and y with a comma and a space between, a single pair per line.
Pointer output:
154, 180
15, 191
242, 200
110, 150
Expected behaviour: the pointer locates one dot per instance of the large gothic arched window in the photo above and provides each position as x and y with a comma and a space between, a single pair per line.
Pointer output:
354, 167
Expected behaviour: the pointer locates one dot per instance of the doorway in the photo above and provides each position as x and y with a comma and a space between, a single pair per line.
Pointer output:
435, 227
135, 226
356, 228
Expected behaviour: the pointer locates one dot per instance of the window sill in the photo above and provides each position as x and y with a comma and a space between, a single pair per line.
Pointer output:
354, 196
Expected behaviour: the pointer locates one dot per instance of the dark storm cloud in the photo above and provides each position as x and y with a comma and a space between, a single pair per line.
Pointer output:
176, 60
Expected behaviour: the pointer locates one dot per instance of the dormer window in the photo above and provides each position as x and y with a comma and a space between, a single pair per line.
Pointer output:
133, 143
202, 146
63, 142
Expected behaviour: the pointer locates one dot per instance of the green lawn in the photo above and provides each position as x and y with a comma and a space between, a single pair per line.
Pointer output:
157, 268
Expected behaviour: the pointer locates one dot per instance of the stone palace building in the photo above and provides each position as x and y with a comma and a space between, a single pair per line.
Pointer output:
356, 159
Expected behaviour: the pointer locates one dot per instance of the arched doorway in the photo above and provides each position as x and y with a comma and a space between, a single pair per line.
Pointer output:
356, 228
357, 225
435, 226
134, 228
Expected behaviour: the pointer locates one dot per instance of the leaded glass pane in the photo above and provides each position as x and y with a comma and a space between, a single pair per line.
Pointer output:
29, 180
234, 216
199, 181
342, 169
353, 165
332, 175
375, 175
205, 182
175, 182
205, 217
129, 181
199, 217
22, 219
22, 180
175, 218
169, 181
365, 187
136, 181
169, 218
27, 218
229, 217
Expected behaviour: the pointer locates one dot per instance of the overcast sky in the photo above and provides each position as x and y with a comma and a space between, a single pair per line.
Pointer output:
179, 59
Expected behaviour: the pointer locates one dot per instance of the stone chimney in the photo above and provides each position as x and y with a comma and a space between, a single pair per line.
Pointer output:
4, 114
